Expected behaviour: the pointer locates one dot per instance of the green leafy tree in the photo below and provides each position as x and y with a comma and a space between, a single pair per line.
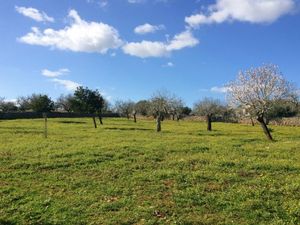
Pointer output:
86, 100
283, 109
40, 103
186, 110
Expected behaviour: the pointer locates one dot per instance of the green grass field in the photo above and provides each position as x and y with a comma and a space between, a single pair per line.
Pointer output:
126, 173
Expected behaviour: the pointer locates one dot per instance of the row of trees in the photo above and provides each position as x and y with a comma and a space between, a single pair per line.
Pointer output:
83, 100
161, 105
260, 93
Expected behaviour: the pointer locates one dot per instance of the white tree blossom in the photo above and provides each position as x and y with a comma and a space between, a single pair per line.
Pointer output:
258, 89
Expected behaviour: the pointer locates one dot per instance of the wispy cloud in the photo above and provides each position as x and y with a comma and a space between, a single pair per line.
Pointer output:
168, 64
34, 14
144, 1
101, 3
219, 89
145, 49
57, 73
136, 1
67, 84
215, 89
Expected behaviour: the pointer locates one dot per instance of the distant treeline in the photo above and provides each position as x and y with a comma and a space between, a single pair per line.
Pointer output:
36, 115
260, 94
85, 102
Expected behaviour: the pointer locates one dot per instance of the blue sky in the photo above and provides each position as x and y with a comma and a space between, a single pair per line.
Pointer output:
128, 49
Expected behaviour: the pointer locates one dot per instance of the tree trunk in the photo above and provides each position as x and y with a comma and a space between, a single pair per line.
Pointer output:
158, 123
265, 128
94, 121
208, 120
178, 118
128, 117
134, 117
173, 116
267, 121
252, 122
100, 119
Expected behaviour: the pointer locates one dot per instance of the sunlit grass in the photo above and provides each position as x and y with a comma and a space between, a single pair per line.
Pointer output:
126, 173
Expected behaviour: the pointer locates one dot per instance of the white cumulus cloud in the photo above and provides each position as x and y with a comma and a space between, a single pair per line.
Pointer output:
148, 28
67, 84
253, 11
34, 14
145, 49
182, 40
57, 73
79, 36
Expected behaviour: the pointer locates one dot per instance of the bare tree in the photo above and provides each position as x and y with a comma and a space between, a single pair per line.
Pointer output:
257, 90
125, 108
160, 107
142, 107
107, 107
64, 102
176, 107
24, 103
134, 111
208, 107
7, 106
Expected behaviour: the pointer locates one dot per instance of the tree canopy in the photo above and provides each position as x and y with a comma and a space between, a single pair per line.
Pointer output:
86, 100
258, 90
209, 107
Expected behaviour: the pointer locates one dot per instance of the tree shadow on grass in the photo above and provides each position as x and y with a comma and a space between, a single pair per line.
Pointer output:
7, 222
247, 141
10, 222
72, 122
211, 133
127, 128
21, 130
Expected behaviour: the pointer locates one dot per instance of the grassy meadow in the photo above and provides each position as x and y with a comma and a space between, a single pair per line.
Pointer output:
126, 173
